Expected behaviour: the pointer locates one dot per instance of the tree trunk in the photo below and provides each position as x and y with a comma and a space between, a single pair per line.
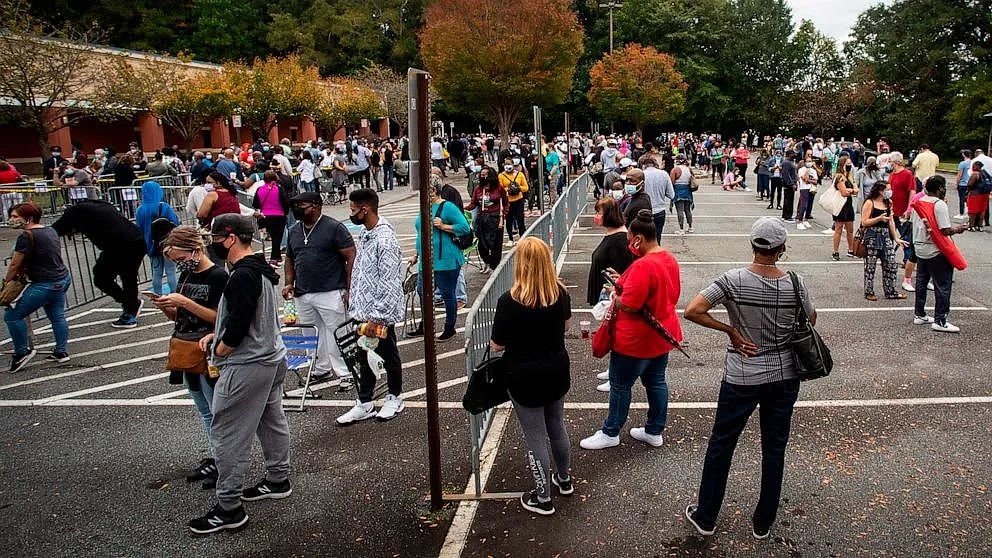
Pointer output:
506, 115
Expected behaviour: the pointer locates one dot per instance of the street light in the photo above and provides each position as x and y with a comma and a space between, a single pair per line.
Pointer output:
612, 5
989, 115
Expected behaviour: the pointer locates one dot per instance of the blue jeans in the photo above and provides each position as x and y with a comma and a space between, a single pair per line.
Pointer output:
159, 264
805, 205
51, 297
461, 294
309, 186
203, 400
446, 282
764, 181
624, 371
735, 405
387, 176
659, 223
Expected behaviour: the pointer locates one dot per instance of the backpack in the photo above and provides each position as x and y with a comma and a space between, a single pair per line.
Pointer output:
463, 242
984, 185
514, 188
160, 228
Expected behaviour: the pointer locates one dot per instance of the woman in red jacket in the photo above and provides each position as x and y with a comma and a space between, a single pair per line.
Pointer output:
651, 283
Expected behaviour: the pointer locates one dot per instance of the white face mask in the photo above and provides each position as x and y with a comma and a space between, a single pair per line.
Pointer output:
508, 168
617, 194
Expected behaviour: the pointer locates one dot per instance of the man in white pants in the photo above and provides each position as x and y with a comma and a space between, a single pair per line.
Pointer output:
320, 253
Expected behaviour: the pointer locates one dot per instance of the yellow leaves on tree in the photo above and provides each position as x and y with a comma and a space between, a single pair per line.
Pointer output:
637, 84
494, 57
344, 101
270, 88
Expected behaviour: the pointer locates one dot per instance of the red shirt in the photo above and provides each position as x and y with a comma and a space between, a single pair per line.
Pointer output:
903, 187
10, 176
741, 156
653, 281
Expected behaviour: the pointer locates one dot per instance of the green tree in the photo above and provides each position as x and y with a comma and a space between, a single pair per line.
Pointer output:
495, 57
225, 31
391, 87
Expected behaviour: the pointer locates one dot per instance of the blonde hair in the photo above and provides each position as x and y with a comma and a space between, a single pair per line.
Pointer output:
535, 281
185, 238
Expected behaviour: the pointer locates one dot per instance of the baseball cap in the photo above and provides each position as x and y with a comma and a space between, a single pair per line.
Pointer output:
626, 163
307, 197
611, 141
233, 223
768, 233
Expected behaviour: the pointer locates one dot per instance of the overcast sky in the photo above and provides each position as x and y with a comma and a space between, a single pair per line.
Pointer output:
833, 18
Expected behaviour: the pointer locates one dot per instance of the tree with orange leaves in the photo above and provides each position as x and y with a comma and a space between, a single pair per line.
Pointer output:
637, 84
494, 57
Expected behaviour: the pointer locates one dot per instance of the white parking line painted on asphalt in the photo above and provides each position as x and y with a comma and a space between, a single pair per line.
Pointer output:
783, 262
406, 365
841, 309
461, 524
106, 387
169, 395
108, 334
83, 371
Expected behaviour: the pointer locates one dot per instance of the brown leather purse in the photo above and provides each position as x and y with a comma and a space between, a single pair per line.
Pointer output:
186, 356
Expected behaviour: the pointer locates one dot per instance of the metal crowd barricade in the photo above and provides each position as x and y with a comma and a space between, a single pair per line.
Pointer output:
49, 197
554, 227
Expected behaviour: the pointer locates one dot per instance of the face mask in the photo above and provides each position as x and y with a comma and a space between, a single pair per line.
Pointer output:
507, 168
188, 265
887, 194
849, 168
598, 219
56, 153
630, 188
356, 219
299, 213
210, 157
340, 150
617, 194
809, 165
17, 222
475, 168
635, 247
221, 250
888, 168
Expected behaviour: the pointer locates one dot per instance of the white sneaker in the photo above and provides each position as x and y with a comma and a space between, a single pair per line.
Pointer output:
604, 375
908, 287
680, 233
930, 286
922, 320
392, 407
605, 386
360, 412
800, 226
650, 439
691, 230
947, 327
959, 217
827, 231
599, 441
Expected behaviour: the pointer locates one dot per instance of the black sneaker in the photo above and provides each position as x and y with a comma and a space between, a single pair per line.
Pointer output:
20, 360
417, 332
445, 335
530, 503
126, 321
836, 257
565, 487
58, 357
690, 510
760, 533
209, 483
218, 519
205, 470
266, 490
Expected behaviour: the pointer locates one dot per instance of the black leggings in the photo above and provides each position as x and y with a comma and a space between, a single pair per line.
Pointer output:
515, 220
276, 226
490, 239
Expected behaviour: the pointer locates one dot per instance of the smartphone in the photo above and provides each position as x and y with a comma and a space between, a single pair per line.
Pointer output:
150, 294
608, 278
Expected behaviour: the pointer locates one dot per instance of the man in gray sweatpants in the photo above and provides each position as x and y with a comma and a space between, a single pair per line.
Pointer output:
250, 354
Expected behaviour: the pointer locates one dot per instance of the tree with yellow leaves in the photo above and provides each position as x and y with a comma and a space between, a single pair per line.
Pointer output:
272, 88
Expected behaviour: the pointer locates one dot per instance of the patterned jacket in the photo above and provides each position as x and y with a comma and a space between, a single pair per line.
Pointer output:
376, 283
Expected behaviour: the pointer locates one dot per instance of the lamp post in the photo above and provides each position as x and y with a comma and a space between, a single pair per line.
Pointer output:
989, 150
611, 5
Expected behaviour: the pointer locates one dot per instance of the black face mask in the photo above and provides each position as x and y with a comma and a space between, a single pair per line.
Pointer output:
221, 250
299, 213
356, 219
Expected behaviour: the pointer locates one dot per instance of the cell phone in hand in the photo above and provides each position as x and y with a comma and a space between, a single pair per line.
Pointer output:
609, 278
150, 294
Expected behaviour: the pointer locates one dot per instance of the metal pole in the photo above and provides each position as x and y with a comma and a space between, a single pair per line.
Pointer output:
413, 133
420, 121
568, 152
540, 157
611, 27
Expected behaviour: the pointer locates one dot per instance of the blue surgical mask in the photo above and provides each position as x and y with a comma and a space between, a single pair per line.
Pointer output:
887, 194
630, 188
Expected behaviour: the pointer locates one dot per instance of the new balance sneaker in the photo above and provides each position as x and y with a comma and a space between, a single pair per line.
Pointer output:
946, 327
531, 503
20, 360
922, 320
908, 287
760, 533
390, 408
267, 490
58, 357
205, 470
604, 387
565, 487
219, 519
704, 530
655, 440
126, 321
599, 441
604, 375
358, 413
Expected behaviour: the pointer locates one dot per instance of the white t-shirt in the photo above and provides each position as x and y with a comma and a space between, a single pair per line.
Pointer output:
437, 151
806, 172
922, 243
362, 155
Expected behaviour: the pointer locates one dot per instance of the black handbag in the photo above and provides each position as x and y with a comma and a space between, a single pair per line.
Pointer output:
486, 386
811, 354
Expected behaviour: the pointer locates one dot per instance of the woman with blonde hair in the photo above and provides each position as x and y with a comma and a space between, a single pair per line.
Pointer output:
529, 326
844, 221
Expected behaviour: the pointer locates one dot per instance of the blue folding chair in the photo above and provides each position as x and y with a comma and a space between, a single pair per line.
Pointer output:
301, 359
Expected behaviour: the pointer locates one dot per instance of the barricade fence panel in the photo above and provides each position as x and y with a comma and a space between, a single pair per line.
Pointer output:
553, 227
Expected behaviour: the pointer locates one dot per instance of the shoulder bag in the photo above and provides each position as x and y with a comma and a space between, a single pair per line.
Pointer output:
811, 354
486, 386
185, 355
602, 340
12, 290
832, 200
858, 246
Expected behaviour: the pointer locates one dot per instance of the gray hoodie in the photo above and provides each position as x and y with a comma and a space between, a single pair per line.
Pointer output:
248, 315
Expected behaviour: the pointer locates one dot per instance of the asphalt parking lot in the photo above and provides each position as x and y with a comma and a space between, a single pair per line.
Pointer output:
889, 455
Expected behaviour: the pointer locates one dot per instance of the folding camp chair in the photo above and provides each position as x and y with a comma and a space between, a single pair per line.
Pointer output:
410, 321
301, 359
472, 256
347, 336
